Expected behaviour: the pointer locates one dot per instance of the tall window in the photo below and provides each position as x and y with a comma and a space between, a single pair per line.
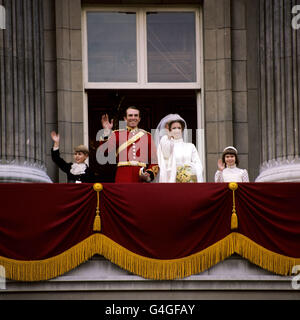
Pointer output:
142, 48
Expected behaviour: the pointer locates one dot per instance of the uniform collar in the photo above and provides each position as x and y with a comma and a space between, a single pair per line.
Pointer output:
132, 129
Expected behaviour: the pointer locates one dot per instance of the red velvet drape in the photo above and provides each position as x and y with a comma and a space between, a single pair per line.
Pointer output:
269, 214
161, 221
38, 221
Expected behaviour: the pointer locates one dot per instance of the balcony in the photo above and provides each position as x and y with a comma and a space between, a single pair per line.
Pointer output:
150, 241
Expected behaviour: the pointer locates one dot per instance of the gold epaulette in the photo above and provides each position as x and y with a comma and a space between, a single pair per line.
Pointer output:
145, 131
154, 170
119, 130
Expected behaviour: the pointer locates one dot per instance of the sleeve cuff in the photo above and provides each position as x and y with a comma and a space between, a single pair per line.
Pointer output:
151, 174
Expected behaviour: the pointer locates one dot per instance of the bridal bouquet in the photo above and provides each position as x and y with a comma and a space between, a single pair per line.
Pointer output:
185, 174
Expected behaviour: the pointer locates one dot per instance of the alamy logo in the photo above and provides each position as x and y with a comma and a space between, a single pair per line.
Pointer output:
2, 18
296, 18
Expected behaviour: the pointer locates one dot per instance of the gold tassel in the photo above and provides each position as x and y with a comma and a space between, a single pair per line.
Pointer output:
97, 222
234, 219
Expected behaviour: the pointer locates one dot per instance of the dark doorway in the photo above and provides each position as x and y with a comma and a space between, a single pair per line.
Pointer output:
154, 105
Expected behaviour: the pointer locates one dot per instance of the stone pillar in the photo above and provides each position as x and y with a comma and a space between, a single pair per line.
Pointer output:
279, 92
240, 84
50, 84
217, 80
230, 81
69, 77
22, 98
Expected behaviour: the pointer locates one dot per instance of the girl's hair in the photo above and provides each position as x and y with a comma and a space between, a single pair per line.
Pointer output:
233, 152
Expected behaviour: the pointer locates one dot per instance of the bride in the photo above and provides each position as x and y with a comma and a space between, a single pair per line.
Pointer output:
178, 160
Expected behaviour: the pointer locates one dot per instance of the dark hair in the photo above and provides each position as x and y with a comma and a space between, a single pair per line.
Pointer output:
174, 121
232, 152
134, 108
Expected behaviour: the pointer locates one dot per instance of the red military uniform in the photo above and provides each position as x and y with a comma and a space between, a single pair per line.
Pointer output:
133, 150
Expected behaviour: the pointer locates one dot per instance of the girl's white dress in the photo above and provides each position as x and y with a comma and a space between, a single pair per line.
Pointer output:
232, 174
178, 161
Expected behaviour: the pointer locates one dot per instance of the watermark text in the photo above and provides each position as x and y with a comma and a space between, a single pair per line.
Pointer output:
142, 149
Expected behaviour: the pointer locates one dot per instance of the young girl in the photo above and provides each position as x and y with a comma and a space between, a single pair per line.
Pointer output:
227, 167
77, 172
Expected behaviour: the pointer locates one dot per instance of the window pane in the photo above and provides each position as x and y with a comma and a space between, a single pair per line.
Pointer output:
112, 47
171, 47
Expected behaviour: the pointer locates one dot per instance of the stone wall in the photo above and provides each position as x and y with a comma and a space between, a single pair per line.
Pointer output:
69, 76
231, 82
230, 79
50, 82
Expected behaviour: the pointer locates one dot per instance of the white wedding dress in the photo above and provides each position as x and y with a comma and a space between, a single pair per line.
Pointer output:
178, 161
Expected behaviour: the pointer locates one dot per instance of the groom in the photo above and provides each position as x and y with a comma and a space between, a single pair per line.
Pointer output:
133, 148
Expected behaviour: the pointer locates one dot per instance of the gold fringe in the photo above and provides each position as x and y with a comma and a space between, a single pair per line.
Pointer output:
38, 270
262, 257
167, 269
146, 267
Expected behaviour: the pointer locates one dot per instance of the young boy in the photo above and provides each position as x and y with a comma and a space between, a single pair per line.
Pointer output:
77, 172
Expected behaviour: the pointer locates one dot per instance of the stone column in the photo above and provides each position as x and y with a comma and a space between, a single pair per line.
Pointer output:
279, 92
69, 77
22, 98
240, 83
217, 80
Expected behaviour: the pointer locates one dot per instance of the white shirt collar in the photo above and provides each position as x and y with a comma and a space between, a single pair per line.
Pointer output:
178, 140
78, 168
